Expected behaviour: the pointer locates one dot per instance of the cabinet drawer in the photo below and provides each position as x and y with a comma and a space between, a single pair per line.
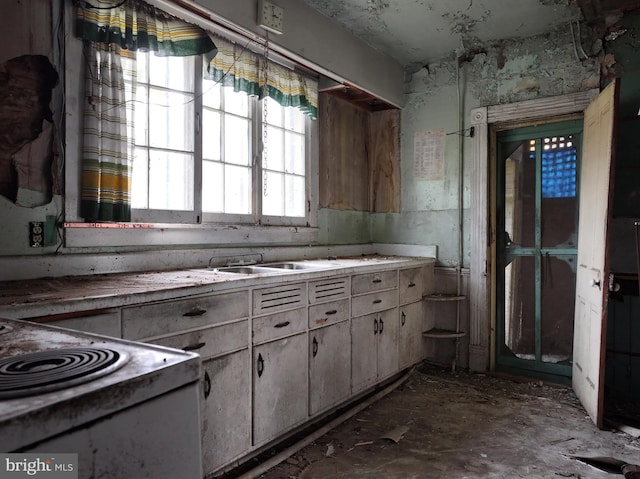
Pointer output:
106, 323
210, 342
374, 302
275, 326
329, 289
279, 298
166, 317
410, 285
327, 313
364, 283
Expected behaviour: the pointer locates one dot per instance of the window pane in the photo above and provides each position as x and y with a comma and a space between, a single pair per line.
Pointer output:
274, 112
162, 72
140, 116
171, 120
140, 179
212, 187
211, 135
272, 194
237, 191
211, 94
294, 157
294, 119
274, 155
236, 137
294, 196
170, 181
236, 102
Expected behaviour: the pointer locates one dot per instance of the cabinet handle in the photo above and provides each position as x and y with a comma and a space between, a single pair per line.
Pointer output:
333, 311
194, 346
403, 318
207, 384
260, 366
195, 312
411, 285
284, 324
377, 301
375, 326
381, 325
377, 280
315, 347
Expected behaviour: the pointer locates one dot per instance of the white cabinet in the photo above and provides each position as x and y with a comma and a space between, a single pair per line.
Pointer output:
374, 348
329, 366
280, 387
410, 334
105, 322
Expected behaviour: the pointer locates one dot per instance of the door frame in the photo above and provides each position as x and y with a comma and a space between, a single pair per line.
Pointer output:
481, 283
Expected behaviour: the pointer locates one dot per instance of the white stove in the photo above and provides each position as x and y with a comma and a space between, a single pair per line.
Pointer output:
127, 409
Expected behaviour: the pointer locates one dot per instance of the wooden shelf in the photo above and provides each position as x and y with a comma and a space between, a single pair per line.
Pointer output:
436, 333
444, 297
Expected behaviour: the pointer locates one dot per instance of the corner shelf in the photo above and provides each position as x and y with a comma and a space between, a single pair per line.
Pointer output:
437, 333
444, 297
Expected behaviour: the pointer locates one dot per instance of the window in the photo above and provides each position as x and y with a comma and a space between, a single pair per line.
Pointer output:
204, 153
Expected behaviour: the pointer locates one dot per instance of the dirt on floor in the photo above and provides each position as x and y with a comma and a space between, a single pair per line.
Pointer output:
440, 424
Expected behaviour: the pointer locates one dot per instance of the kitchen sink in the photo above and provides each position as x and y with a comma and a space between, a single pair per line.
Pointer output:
248, 270
292, 265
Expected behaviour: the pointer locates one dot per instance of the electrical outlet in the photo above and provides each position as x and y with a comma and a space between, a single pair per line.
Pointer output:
270, 16
36, 234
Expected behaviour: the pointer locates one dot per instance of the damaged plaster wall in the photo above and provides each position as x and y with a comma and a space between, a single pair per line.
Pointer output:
510, 71
28, 182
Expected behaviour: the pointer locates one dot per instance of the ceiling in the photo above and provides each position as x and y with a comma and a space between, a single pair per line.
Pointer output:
423, 31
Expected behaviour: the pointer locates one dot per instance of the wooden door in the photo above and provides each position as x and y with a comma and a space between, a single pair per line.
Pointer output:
593, 266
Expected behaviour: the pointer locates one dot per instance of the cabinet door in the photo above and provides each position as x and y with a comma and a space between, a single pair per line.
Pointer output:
364, 352
388, 329
410, 342
280, 389
329, 366
225, 410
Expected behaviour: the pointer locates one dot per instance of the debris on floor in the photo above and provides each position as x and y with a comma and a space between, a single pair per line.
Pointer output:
440, 424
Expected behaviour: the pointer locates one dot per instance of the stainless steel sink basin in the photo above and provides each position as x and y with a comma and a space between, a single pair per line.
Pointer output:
292, 265
248, 270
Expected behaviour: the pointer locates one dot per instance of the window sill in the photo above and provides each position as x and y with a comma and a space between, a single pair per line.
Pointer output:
82, 235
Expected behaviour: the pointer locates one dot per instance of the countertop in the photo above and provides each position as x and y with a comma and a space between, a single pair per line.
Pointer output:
57, 296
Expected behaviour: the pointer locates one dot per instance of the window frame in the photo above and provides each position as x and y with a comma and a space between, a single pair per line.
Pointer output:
164, 228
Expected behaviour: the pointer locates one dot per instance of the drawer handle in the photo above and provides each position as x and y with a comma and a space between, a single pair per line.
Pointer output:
315, 347
381, 325
194, 346
403, 318
333, 311
195, 312
284, 324
412, 285
377, 301
260, 365
377, 280
207, 384
375, 326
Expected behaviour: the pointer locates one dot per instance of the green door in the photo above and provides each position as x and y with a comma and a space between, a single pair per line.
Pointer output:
537, 223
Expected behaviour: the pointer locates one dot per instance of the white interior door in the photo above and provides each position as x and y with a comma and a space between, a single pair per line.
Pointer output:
596, 188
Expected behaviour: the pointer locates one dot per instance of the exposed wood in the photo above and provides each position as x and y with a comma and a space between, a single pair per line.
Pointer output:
344, 168
359, 98
593, 266
384, 151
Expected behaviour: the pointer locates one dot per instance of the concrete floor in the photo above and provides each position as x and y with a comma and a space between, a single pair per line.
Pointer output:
463, 426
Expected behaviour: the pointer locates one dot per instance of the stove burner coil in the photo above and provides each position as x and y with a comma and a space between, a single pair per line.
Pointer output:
52, 370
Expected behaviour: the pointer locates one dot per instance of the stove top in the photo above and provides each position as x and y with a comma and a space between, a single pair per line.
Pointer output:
53, 379
51, 370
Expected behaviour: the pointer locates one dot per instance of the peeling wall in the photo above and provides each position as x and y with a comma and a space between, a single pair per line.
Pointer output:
507, 72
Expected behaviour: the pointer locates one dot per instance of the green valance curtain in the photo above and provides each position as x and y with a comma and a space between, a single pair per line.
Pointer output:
135, 25
242, 69
112, 32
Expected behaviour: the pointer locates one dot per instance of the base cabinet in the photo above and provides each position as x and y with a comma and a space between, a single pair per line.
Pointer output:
410, 334
225, 409
374, 348
280, 386
329, 366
